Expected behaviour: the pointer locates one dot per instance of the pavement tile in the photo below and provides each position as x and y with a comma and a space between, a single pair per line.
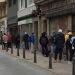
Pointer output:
59, 68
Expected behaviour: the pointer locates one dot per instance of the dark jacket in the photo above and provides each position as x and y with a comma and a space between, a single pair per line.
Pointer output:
17, 39
43, 40
60, 40
26, 38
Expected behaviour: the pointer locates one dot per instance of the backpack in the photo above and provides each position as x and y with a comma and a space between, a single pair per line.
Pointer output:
68, 42
73, 44
43, 40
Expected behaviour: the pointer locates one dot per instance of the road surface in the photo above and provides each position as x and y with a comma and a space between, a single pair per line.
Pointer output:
10, 65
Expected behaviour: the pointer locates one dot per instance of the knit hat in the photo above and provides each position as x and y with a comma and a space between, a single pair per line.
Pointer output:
25, 32
60, 30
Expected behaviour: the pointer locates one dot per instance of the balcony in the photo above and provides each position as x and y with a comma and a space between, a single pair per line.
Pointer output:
2, 3
2, 8
40, 1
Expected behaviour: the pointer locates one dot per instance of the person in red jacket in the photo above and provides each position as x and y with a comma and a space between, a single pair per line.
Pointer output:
9, 40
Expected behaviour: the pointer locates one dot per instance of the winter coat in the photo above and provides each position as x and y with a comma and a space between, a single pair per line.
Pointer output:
26, 38
60, 40
9, 38
43, 40
17, 39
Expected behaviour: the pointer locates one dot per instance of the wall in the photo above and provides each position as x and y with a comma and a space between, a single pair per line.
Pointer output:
23, 11
12, 13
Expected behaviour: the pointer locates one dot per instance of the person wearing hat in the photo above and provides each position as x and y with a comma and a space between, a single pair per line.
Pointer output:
67, 43
59, 42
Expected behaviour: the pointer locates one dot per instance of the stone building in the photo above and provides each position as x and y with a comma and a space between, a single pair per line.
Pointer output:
25, 17
3, 17
12, 24
56, 14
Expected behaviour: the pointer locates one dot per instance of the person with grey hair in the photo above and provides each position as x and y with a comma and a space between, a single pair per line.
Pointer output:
59, 42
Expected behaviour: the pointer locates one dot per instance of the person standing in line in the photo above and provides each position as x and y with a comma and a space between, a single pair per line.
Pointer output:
10, 39
32, 37
17, 40
44, 42
26, 40
72, 52
69, 33
53, 37
5, 39
59, 42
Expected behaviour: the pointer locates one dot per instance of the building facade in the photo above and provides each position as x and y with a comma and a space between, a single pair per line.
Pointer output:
12, 8
3, 17
25, 17
56, 14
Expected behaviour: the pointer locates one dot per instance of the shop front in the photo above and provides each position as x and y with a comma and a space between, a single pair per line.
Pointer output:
63, 22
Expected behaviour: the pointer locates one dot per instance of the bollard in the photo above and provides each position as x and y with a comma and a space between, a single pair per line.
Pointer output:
24, 56
35, 60
17, 51
73, 69
11, 49
50, 60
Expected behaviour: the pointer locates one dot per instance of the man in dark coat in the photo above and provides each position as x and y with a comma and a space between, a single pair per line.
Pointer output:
59, 42
26, 40
17, 41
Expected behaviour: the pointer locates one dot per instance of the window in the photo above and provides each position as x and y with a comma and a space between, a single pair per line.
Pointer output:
14, 1
69, 1
9, 3
21, 3
25, 3
29, 2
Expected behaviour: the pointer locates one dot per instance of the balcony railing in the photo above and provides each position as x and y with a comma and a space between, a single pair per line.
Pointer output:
39, 1
59, 9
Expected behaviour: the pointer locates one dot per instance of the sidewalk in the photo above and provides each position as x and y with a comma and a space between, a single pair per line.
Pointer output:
58, 68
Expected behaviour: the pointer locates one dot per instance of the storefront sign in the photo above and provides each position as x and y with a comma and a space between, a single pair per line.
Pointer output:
27, 21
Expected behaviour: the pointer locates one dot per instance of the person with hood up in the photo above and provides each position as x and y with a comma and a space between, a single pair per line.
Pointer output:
44, 43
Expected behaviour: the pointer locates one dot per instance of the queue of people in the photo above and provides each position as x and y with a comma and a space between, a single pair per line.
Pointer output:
54, 43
